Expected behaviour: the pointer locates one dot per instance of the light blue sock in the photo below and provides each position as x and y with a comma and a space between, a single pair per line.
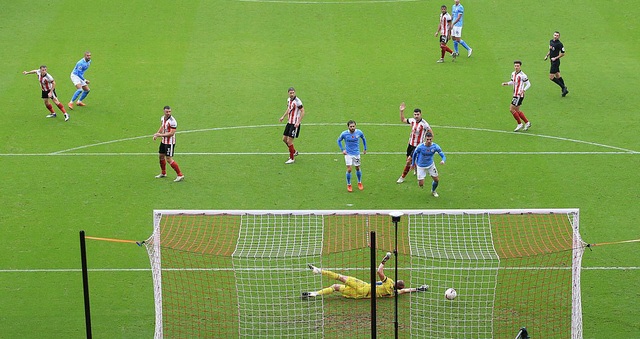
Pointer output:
455, 46
359, 175
434, 185
464, 44
75, 95
348, 178
84, 95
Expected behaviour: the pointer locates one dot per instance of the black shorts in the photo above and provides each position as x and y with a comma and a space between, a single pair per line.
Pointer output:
517, 101
166, 149
291, 130
45, 95
555, 67
444, 39
410, 150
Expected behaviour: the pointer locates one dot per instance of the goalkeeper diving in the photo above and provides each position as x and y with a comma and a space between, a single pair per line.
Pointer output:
355, 288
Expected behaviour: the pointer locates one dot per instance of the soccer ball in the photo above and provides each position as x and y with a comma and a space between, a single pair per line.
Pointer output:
450, 294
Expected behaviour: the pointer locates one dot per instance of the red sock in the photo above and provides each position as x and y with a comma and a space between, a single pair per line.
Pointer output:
406, 170
176, 168
50, 108
517, 117
521, 114
61, 107
292, 151
163, 166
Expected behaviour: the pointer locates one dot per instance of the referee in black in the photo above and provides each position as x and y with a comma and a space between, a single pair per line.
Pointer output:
556, 51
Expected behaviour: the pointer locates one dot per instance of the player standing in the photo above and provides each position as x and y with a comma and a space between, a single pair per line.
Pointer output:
48, 85
444, 29
419, 127
457, 11
295, 113
556, 51
167, 131
423, 159
78, 79
351, 151
520, 83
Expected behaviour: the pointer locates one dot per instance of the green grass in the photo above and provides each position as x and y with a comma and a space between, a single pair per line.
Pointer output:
227, 64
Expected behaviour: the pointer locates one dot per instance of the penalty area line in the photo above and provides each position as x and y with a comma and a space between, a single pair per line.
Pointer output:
309, 153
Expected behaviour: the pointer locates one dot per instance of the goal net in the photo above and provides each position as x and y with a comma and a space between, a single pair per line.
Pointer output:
238, 274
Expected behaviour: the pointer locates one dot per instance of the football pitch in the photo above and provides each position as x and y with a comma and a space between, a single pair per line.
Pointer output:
225, 66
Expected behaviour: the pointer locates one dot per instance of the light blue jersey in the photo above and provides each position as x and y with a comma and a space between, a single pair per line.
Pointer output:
455, 10
81, 67
351, 141
423, 155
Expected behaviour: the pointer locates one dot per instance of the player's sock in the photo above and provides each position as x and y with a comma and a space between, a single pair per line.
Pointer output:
561, 81
455, 46
84, 95
176, 168
557, 81
434, 185
441, 52
61, 107
445, 48
330, 274
464, 44
75, 95
522, 116
516, 116
348, 178
163, 166
50, 108
325, 291
406, 170
359, 175
292, 151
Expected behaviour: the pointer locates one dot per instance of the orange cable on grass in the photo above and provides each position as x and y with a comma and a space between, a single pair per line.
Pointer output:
139, 243
614, 242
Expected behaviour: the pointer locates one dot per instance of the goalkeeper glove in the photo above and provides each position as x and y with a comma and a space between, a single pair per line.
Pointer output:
386, 257
423, 288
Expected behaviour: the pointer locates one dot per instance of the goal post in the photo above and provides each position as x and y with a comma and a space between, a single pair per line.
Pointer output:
241, 273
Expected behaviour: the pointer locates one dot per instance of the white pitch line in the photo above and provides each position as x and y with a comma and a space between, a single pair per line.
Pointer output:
66, 270
309, 153
70, 151
327, 2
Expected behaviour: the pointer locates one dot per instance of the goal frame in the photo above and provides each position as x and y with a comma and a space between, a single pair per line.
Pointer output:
577, 251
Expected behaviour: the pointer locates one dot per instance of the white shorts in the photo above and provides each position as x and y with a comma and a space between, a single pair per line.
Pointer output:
77, 81
456, 31
422, 171
352, 160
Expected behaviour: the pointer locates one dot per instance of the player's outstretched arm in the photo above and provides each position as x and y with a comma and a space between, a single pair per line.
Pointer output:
402, 108
422, 288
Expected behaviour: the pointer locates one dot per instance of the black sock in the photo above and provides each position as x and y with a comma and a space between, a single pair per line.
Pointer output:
557, 81
561, 81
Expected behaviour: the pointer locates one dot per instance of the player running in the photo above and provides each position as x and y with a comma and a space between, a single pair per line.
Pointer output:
48, 85
78, 79
423, 160
351, 151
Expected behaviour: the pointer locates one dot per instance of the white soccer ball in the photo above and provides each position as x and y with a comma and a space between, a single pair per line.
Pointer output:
450, 294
